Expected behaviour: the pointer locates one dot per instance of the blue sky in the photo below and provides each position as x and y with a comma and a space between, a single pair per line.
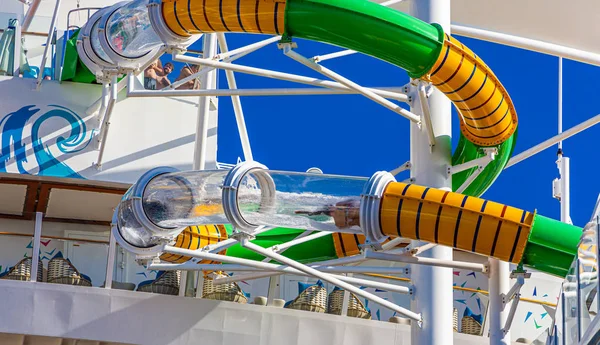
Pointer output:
348, 134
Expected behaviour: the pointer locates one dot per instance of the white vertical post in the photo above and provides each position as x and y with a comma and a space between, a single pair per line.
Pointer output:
560, 80
433, 285
35, 255
563, 162
274, 289
565, 190
499, 283
17, 50
346, 300
208, 81
110, 261
48, 42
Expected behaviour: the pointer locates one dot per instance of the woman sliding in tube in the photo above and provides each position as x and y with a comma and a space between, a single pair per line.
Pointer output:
345, 213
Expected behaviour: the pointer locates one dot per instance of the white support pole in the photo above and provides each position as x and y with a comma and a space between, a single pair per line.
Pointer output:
183, 282
553, 141
342, 261
356, 259
110, 261
563, 162
528, 44
208, 81
17, 51
425, 261
287, 50
105, 125
48, 43
433, 295
426, 113
31, 11
345, 302
332, 280
321, 58
224, 55
560, 101
264, 266
35, 251
387, 92
281, 76
565, 193
237, 105
499, 284
194, 266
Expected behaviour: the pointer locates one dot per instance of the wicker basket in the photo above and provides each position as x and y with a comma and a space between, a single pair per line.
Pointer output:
355, 307
455, 320
314, 298
22, 271
223, 292
166, 283
61, 271
470, 326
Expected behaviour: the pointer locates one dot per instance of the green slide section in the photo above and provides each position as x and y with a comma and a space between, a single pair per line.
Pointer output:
320, 249
552, 246
397, 38
73, 68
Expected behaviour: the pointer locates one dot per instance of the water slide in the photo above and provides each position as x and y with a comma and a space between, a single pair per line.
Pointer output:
486, 114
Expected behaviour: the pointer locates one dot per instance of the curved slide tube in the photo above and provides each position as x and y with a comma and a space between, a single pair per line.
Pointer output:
487, 115
487, 118
421, 213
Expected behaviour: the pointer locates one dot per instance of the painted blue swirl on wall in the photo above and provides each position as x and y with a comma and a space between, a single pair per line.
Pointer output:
13, 136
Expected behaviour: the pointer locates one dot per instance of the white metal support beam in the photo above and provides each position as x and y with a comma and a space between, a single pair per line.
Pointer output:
208, 81
513, 294
33, 7
553, 141
528, 44
105, 124
499, 282
193, 265
48, 43
35, 251
110, 261
403, 167
283, 76
237, 104
426, 113
427, 261
260, 265
332, 280
287, 50
17, 50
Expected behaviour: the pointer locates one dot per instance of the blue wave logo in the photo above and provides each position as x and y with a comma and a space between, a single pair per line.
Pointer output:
14, 140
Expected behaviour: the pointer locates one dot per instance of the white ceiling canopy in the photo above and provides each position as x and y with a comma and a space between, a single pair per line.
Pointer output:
564, 28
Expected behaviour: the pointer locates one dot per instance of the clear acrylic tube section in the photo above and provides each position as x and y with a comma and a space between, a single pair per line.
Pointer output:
95, 42
185, 198
129, 32
301, 200
129, 227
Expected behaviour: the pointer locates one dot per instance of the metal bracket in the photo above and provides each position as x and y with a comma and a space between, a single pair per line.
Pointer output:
287, 46
406, 166
513, 294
